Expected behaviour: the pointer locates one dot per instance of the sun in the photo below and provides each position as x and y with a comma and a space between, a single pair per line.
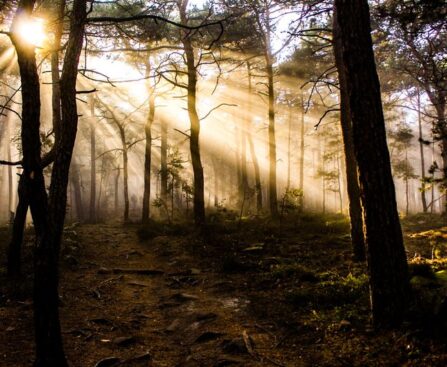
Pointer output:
31, 30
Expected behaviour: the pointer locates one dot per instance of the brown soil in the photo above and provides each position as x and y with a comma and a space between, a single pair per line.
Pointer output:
179, 300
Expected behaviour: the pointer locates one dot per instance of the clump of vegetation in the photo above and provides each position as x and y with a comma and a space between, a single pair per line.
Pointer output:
331, 293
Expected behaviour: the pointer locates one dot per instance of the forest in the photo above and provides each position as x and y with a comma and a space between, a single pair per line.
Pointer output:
209, 183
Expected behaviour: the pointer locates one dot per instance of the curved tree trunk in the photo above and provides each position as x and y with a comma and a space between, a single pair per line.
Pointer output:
14, 249
386, 256
49, 350
199, 185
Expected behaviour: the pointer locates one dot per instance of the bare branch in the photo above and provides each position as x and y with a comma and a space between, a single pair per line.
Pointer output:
8, 163
324, 115
215, 108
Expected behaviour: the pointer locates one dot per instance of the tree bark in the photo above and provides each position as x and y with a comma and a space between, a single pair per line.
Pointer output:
289, 148
18, 228
75, 179
386, 256
10, 178
258, 186
238, 161
441, 126
164, 161
352, 181
148, 149
125, 174
14, 249
302, 154
273, 197
214, 161
92, 162
199, 186
117, 181
49, 351
244, 174
421, 151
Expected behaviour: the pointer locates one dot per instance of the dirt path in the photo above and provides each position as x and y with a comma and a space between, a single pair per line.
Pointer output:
173, 314
176, 301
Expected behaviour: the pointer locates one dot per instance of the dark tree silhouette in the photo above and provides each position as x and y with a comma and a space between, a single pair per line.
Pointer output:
385, 250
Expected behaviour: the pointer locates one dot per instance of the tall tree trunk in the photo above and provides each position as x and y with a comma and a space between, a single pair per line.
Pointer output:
148, 149
55, 74
92, 162
199, 186
421, 151
19, 223
269, 60
407, 199
49, 351
258, 186
9, 168
386, 257
352, 181
289, 148
238, 161
302, 153
33, 181
164, 162
117, 181
125, 178
244, 174
432, 202
216, 180
273, 197
442, 127
322, 153
339, 175
98, 212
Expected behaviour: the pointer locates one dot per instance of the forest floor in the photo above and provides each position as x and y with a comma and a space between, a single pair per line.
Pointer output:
248, 294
